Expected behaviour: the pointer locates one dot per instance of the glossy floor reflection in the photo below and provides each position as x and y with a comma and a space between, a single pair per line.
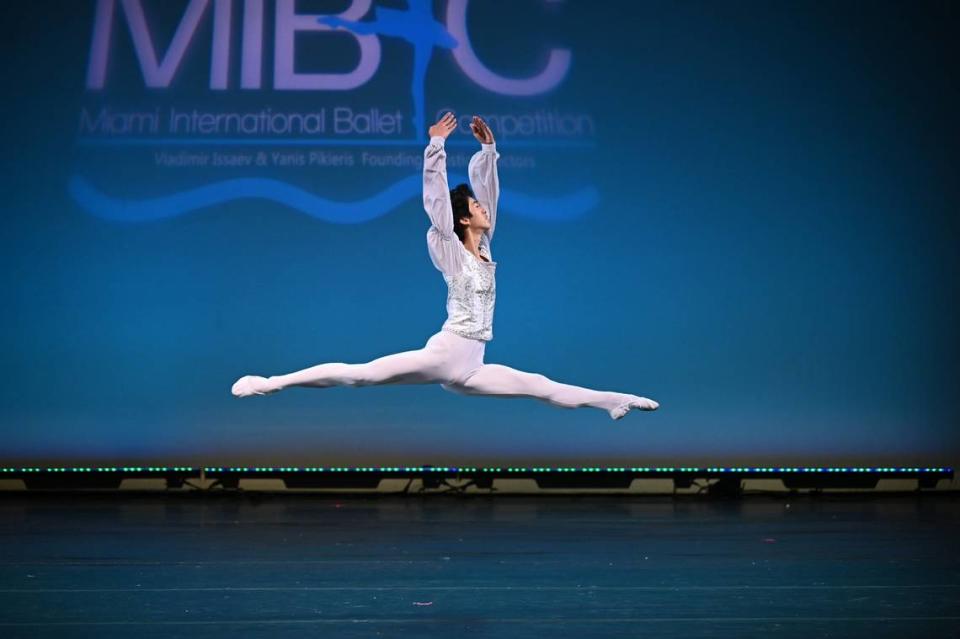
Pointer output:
458, 567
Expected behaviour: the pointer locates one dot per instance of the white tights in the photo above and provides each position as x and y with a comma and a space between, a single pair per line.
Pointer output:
456, 363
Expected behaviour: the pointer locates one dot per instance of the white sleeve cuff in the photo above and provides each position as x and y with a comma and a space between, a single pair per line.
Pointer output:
438, 140
492, 147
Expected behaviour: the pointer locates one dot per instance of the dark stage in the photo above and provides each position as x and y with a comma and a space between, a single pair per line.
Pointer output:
272, 565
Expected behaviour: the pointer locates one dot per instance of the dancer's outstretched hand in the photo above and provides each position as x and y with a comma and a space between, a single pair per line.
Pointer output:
444, 126
481, 131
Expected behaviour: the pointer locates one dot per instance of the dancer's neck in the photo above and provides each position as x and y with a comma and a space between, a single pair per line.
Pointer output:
471, 241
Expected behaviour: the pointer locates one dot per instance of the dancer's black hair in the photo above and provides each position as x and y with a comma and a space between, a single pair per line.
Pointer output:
460, 203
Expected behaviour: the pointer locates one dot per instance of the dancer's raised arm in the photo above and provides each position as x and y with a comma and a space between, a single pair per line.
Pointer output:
483, 171
436, 198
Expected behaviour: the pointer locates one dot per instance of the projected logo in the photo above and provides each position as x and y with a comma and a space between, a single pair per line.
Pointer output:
270, 140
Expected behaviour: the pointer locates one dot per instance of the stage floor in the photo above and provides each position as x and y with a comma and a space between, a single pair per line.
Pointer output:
222, 565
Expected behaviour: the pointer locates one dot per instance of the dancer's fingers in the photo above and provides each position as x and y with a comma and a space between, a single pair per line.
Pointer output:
486, 129
480, 128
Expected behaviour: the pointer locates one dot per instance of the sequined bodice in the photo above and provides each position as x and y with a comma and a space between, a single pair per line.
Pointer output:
471, 295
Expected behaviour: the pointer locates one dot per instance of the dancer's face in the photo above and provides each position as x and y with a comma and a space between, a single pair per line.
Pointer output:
480, 218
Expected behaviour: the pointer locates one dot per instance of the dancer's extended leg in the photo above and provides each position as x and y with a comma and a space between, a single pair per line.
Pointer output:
503, 381
421, 366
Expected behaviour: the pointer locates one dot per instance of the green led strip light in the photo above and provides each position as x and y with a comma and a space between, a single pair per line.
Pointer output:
99, 469
441, 469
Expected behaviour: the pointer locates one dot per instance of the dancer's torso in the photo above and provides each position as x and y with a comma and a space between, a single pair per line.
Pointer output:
471, 295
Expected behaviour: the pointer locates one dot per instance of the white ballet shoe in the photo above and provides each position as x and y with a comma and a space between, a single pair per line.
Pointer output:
634, 402
252, 385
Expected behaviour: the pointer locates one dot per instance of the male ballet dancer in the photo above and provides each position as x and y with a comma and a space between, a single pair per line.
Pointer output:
462, 224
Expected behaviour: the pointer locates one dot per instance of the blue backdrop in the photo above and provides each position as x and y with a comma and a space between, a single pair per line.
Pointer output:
744, 210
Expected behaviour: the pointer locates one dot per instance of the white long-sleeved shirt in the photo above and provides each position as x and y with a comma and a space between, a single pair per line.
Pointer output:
471, 283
